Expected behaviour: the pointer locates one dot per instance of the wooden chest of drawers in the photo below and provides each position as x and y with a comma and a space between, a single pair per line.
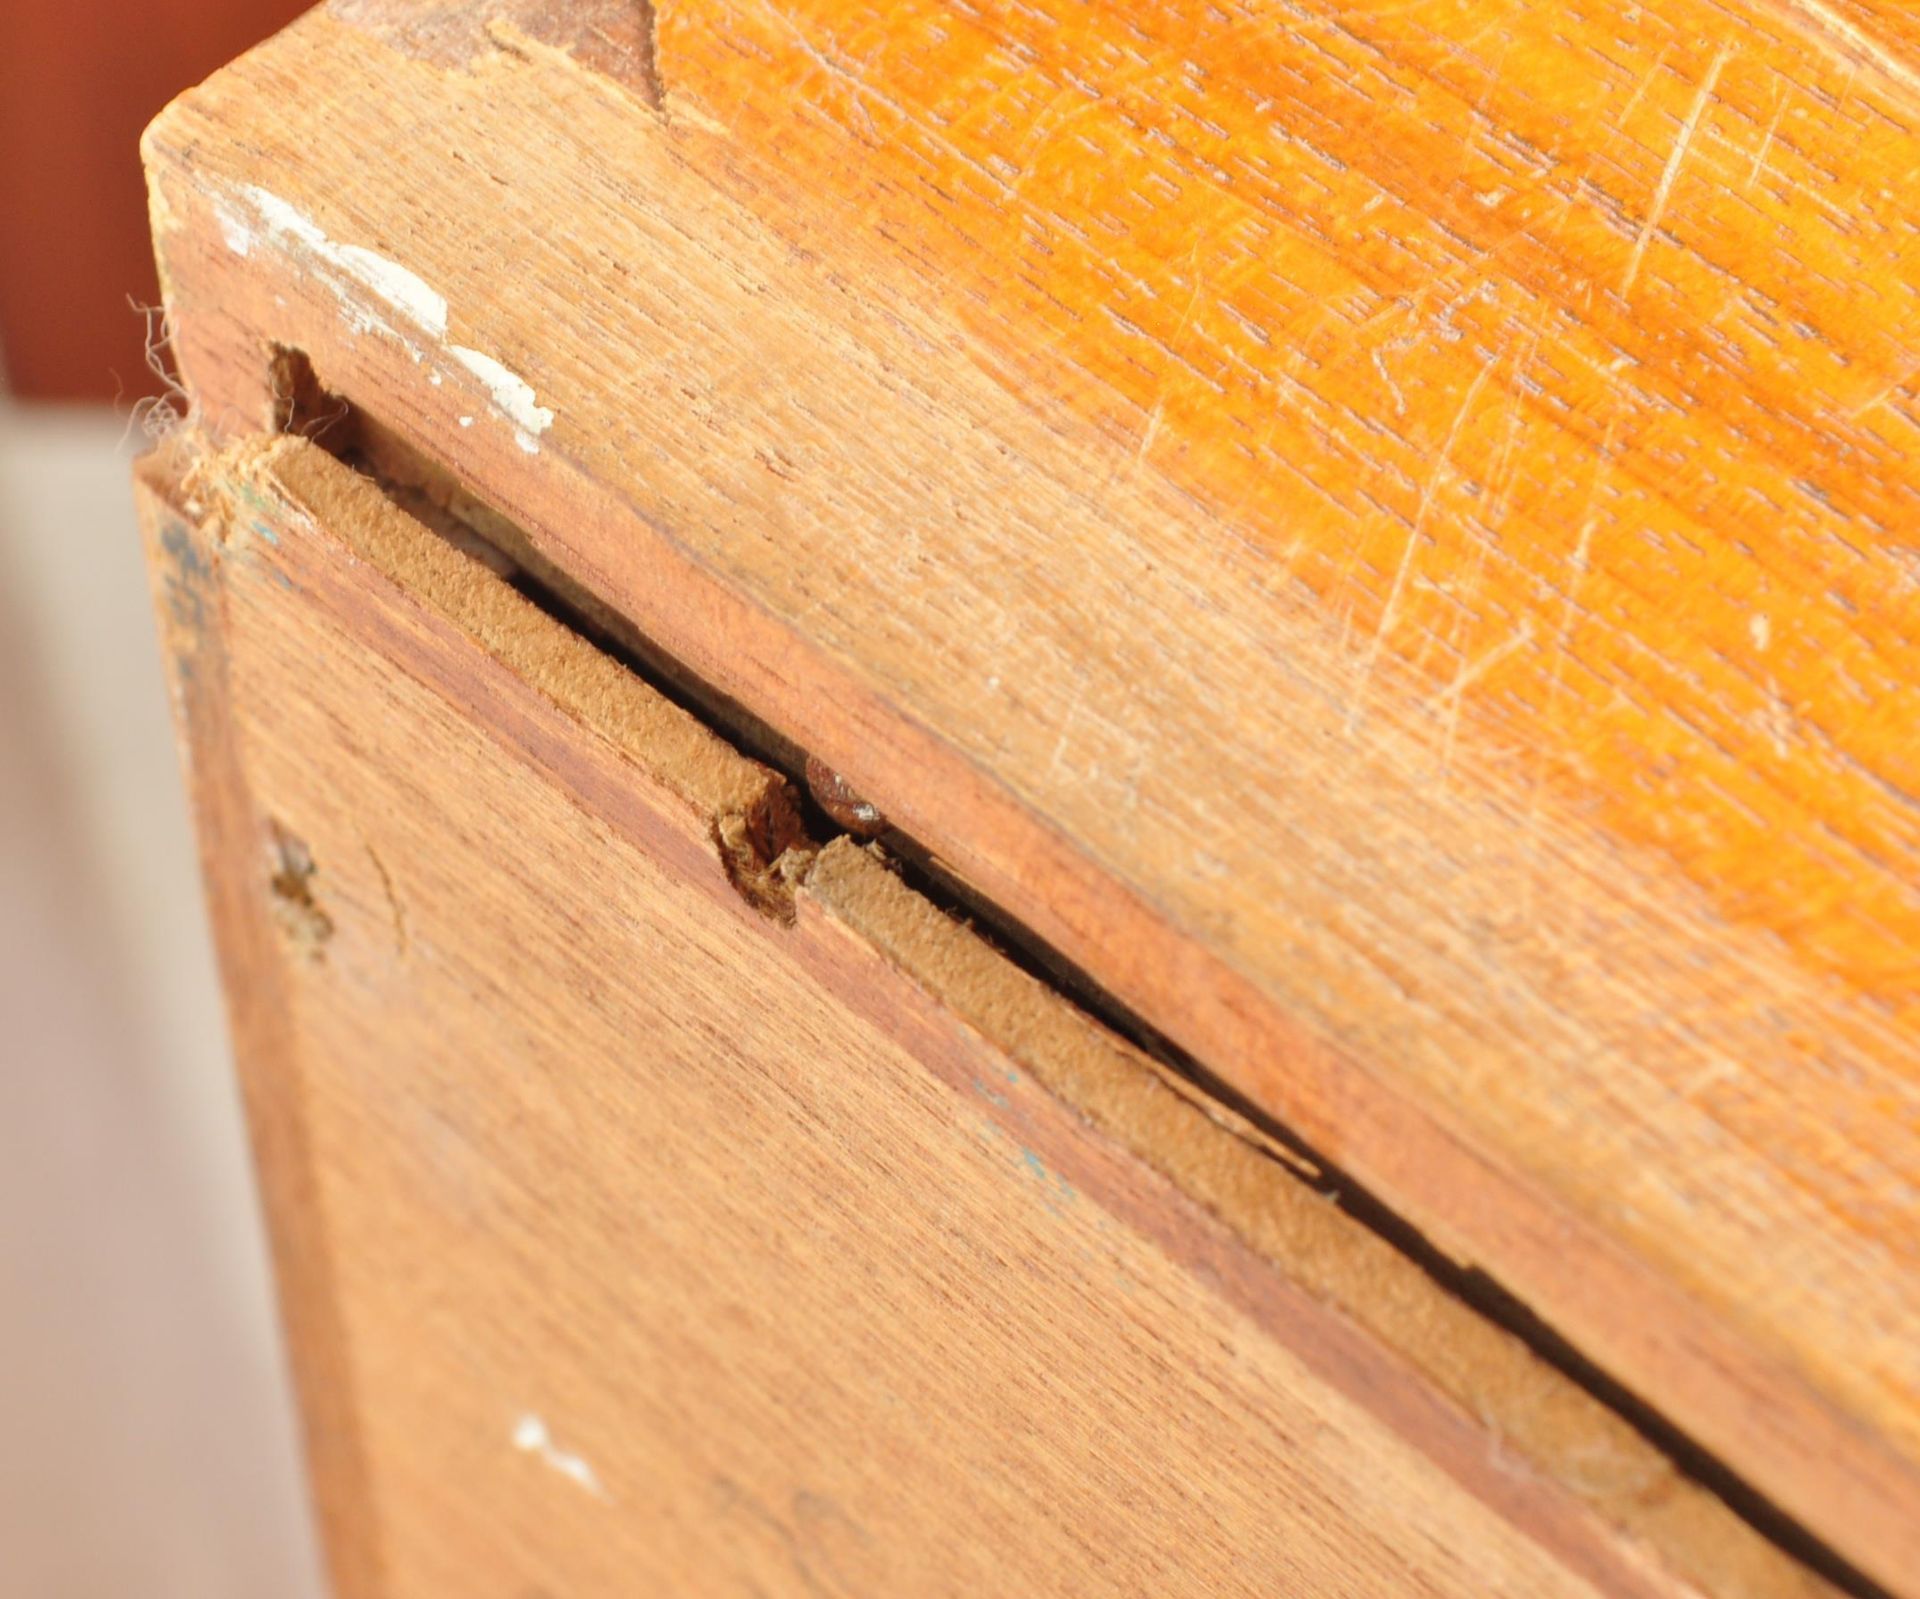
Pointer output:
1068, 799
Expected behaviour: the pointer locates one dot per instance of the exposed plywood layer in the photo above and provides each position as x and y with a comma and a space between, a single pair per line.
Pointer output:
1378, 531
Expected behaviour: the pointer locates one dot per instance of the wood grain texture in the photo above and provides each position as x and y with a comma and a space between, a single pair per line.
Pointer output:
1380, 531
184, 564
656, 1237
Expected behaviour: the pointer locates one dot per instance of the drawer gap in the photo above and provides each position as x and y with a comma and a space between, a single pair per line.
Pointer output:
433, 495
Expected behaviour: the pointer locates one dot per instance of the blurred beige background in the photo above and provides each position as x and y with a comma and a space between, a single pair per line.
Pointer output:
146, 1437
147, 1441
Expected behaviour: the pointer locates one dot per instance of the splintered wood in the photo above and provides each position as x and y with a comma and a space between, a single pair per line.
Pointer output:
1387, 536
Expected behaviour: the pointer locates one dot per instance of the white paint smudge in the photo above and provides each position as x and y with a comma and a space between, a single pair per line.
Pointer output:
401, 290
512, 394
354, 267
284, 220
405, 291
233, 229
530, 1437
1761, 626
392, 283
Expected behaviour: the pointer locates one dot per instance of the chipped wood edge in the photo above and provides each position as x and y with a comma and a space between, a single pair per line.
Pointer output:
748, 811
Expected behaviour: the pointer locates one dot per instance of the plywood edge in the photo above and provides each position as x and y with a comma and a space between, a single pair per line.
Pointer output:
1538, 1417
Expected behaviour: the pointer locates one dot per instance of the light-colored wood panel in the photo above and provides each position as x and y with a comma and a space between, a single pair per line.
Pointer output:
664, 1232
1400, 578
183, 561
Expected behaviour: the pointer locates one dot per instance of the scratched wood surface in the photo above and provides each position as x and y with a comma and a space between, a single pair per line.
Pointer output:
1384, 532
671, 1204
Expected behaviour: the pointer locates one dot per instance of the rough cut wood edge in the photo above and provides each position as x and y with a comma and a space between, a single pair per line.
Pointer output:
1717, 1355
1538, 1426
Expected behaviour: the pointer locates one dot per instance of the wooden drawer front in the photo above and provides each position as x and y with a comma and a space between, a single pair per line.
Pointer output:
653, 1218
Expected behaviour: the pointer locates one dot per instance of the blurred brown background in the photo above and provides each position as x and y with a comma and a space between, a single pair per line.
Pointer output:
147, 1439
79, 79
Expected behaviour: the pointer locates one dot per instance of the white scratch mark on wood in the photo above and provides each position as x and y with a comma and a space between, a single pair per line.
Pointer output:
1640, 89
1390, 612
1664, 190
1717, 1070
1766, 144
857, 90
1379, 359
1856, 45
1470, 673
1066, 725
1885, 394
1152, 429
1149, 433
1779, 720
1569, 604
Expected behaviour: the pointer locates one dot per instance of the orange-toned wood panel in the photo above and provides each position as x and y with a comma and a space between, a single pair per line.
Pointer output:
1566, 357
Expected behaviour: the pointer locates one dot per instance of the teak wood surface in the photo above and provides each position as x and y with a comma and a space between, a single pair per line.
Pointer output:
1384, 533
654, 1216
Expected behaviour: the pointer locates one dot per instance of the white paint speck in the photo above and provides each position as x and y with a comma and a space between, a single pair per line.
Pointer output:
233, 229
512, 394
1761, 626
530, 1437
466, 421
